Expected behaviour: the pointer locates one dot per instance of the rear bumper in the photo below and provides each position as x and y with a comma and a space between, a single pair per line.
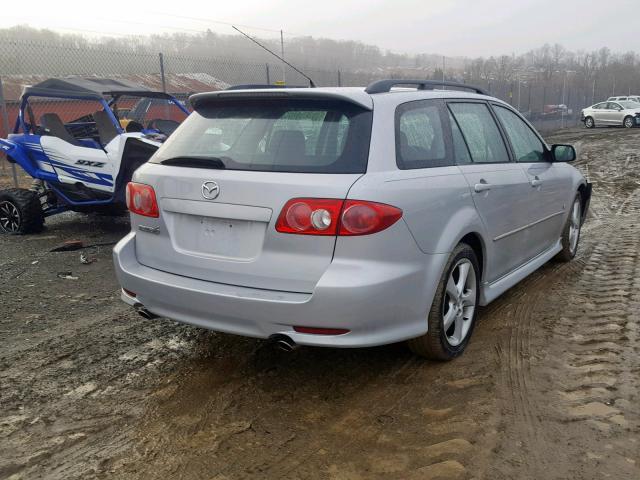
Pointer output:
378, 302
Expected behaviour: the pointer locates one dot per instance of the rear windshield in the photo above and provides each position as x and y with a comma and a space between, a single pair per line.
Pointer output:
307, 136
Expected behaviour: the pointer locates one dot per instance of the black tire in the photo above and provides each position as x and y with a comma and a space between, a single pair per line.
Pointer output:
435, 344
20, 212
569, 250
628, 122
589, 123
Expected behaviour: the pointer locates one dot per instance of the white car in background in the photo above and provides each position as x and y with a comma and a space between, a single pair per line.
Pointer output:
622, 113
633, 98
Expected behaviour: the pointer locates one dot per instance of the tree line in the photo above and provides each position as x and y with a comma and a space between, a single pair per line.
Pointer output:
548, 64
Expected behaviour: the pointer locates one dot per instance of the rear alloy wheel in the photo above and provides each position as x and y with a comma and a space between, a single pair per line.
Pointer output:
453, 313
589, 123
571, 233
20, 212
628, 122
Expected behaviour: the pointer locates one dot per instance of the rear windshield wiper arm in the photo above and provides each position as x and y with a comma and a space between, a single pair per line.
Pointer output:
195, 162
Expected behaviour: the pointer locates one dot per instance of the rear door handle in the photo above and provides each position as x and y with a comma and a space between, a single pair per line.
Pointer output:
482, 186
536, 182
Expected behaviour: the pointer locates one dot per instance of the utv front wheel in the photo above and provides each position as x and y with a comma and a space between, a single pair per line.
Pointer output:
453, 312
20, 212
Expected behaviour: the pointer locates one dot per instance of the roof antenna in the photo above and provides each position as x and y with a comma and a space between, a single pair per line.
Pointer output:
311, 84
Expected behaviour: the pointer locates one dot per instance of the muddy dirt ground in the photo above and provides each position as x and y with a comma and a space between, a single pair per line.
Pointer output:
548, 388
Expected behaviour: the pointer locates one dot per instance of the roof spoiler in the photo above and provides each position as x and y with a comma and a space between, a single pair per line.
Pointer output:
199, 99
383, 86
261, 86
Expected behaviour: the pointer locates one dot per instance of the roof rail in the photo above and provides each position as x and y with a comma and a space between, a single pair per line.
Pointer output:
261, 86
383, 86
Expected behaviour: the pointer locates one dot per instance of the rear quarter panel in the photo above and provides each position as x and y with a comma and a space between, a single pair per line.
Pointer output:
436, 204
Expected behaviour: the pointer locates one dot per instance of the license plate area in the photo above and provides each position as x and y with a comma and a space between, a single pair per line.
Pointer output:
217, 237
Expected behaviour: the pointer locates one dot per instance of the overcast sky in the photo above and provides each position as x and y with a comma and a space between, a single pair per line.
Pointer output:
449, 27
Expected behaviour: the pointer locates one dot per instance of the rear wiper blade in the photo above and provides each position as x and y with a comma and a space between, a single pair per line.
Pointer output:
195, 162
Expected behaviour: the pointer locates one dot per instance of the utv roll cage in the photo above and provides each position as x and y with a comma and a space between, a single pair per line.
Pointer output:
103, 90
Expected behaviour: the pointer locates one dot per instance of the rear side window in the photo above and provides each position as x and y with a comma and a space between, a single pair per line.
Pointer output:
461, 152
290, 135
420, 139
480, 132
526, 145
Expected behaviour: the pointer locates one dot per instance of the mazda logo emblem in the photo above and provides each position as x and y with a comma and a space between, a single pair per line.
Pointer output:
210, 190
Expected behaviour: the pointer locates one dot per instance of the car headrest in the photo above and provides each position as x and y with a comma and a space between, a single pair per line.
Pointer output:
288, 145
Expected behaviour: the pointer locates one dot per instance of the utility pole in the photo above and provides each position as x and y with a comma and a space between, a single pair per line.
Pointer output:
593, 92
282, 55
7, 128
518, 77
564, 87
613, 92
162, 78
443, 66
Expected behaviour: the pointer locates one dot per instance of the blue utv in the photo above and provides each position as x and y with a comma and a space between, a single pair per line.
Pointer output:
81, 139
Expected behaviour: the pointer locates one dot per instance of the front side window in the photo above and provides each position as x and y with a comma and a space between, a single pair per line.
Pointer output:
480, 132
526, 145
420, 141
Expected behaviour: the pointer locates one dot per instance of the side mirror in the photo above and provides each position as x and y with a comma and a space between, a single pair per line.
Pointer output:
563, 153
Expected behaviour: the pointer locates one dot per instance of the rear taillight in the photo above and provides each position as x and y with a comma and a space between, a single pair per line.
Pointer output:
141, 200
323, 216
363, 218
310, 216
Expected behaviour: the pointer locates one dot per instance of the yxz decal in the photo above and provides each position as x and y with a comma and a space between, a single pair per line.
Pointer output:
89, 163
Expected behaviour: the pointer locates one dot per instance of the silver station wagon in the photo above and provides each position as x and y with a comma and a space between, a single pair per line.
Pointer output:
347, 217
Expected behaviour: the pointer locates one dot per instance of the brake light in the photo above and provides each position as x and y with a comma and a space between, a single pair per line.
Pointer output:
324, 216
141, 200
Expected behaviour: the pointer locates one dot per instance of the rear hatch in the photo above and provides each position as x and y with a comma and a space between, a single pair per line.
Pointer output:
223, 177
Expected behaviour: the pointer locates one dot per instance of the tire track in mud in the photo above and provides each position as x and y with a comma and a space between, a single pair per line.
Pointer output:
601, 359
341, 437
524, 446
584, 368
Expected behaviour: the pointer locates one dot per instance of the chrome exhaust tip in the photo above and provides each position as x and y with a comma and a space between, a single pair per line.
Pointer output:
143, 312
284, 343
